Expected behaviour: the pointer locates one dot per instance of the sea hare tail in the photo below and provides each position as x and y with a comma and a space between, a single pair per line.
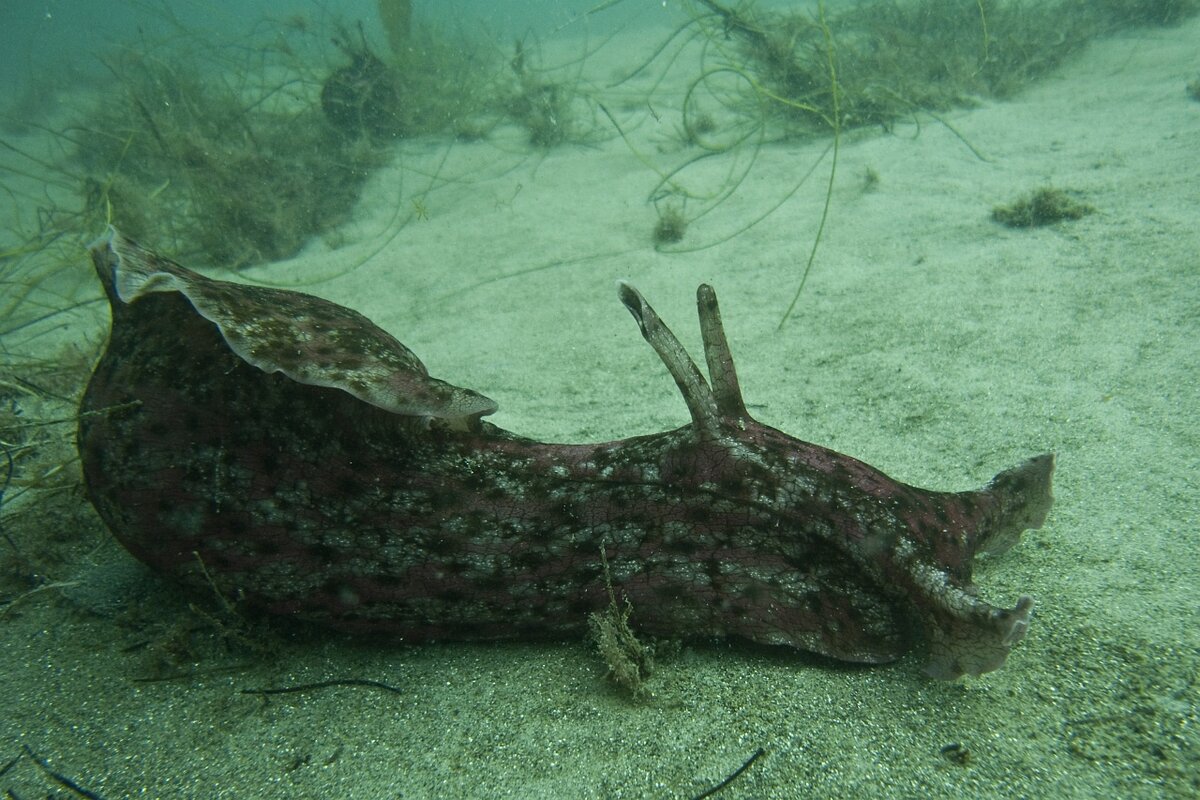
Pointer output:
964, 634
972, 637
1024, 496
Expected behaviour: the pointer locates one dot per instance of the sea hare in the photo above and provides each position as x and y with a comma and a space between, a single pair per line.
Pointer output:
298, 458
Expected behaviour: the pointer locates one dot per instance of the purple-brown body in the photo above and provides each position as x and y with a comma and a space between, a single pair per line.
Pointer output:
301, 498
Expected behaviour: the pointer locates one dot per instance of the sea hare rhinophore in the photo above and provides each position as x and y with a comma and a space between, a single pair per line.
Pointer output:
301, 459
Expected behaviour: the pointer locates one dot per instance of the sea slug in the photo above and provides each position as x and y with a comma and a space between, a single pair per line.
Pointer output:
303, 460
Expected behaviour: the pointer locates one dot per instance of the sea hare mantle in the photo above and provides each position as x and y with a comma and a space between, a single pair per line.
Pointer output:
298, 457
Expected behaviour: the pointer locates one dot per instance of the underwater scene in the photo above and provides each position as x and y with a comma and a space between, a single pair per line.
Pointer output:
600, 399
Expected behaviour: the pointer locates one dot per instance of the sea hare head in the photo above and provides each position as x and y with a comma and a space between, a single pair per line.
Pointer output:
308, 339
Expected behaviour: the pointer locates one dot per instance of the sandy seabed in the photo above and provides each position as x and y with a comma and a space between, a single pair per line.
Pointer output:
930, 342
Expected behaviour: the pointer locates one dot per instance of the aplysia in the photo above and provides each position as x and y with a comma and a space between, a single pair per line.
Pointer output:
293, 455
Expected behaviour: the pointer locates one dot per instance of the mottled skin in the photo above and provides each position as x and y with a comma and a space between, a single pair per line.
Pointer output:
308, 501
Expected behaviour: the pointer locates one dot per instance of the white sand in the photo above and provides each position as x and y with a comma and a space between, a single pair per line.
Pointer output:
930, 342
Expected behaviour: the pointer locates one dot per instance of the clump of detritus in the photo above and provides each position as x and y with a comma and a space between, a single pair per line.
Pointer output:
429, 83
1044, 206
237, 160
216, 172
957, 753
670, 227
552, 111
868, 179
194, 641
47, 527
630, 662
697, 128
1193, 89
874, 62
364, 97
209, 631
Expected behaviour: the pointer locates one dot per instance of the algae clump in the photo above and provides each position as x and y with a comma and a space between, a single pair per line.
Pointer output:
1043, 206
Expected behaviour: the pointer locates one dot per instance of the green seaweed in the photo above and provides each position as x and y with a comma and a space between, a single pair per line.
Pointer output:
219, 163
894, 59
548, 107
630, 662
1043, 206
1126, 13
767, 75
670, 226
231, 156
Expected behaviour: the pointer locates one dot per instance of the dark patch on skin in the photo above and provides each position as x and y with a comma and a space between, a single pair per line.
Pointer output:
451, 596
589, 574
585, 549
494, 582
529, 559
478, 482
580, 606
443, 546
388, 580
349, 487
441, 499
265, 548
321, 553
680, 546
217, 561
667, 593
751, 592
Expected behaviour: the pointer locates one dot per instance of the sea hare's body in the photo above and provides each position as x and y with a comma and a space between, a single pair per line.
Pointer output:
302, 460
